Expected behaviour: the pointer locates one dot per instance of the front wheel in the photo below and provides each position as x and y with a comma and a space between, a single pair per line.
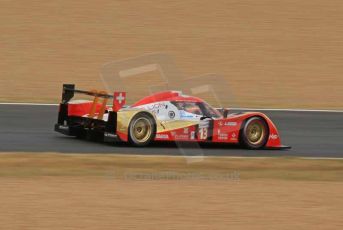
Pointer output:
142, 129
254, 133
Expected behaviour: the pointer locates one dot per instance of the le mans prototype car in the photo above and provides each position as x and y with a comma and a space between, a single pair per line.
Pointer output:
164, 116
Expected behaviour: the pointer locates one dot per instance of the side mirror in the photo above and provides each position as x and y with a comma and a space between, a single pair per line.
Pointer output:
203, 118
225, 113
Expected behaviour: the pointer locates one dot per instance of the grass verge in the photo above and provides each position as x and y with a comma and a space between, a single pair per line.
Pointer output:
55, 164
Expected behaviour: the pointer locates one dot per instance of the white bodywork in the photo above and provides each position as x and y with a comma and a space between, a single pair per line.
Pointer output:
165, 110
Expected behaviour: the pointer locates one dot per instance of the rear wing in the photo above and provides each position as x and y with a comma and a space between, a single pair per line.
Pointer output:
69, 91
100, 97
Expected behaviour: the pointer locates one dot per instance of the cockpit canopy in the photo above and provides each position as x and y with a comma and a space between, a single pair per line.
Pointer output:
175, 105
198, 108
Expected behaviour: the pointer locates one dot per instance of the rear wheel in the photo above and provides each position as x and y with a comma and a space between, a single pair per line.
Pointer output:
254, 133
142, 129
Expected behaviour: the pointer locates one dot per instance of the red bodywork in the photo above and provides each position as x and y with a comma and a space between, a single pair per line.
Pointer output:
221, 130
225, 130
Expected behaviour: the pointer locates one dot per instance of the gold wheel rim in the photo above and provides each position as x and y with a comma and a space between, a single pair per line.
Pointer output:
141, 129
255, 132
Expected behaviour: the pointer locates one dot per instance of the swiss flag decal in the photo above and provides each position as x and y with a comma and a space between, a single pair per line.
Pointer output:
119, 99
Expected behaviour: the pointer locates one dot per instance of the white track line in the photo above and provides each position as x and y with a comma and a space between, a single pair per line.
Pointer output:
255, 109
190, 157
292, 110
229, 157
28, 103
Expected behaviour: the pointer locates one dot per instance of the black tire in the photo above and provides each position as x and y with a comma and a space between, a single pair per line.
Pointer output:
142, 129
254, 133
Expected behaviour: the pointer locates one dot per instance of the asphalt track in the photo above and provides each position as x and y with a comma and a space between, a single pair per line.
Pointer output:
29, 128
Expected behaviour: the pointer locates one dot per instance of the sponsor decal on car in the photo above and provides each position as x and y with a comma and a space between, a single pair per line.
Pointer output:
273, 136
230, 123
233, 137
162, 136
223, 136
63, 127
181, 137
184, 115
171, 114
156, 106
106, 134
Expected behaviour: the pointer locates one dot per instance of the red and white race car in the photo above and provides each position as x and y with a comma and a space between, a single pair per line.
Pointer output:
164, 116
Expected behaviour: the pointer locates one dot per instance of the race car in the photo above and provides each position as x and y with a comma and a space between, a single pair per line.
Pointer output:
161, 117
